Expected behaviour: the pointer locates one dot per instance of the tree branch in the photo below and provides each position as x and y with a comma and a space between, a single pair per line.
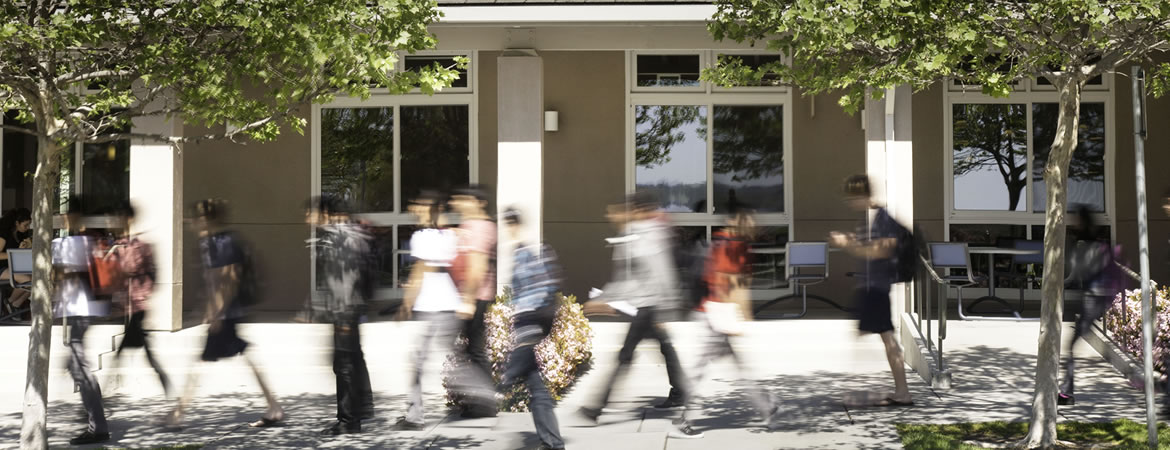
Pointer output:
77, 78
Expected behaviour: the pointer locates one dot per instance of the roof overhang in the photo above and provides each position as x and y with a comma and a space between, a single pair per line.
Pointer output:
576, 14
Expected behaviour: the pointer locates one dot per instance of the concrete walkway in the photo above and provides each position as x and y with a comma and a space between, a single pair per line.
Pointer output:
811, 366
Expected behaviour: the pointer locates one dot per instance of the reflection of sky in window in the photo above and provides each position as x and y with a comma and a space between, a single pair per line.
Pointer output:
688, 158
983, 189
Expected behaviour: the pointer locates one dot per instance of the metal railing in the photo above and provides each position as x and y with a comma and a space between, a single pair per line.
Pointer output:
928, 301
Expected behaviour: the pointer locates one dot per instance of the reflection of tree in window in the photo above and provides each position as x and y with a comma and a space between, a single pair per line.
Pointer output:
749, 157
1086, 174
991, 138
434, 148
357, 156
670, 153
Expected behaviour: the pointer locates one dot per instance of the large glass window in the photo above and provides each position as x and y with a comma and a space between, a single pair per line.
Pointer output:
380, 153
1086, 175
671, 153
435, 148
357, 156
105, 176
103, 182
749, 158
990, 156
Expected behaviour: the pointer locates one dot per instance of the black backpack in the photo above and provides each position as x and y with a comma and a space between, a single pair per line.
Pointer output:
905, 257
248, 291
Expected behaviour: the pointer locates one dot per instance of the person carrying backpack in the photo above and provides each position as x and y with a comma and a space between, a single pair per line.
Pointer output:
879, 244
535, 281
228, 272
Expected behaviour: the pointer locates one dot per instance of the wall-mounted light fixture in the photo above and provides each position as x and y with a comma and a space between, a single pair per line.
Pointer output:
550, 121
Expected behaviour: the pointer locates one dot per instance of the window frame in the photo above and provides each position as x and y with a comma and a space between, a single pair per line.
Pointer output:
710, 99
381, 98
1028, 98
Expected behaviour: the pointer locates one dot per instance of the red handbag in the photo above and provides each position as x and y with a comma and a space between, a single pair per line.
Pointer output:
105, 271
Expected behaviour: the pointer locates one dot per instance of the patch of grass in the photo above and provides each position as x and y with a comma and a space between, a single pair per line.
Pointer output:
1121, 434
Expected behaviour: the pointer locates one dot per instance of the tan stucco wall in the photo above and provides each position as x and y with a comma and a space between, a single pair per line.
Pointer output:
1157, 153
827, 147
929, 152
584, 167
266, 185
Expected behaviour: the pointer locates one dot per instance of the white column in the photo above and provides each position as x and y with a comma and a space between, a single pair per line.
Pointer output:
520, 180
890, 164
156, 191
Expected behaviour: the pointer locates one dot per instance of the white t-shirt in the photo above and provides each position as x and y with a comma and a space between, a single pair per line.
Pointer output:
435, 248
73, 297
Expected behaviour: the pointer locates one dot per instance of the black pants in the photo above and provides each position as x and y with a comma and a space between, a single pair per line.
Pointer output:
135, 336
355, 398
530, 330
87, 383
645, 326
1094, 309
475, 330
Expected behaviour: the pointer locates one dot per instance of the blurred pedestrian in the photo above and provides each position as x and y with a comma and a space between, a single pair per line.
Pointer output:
431, 296
727, 303
644, 278
231, 288
535, 282
344, 283
876, 243
474, 271
1092, 266
135, 258
75, 301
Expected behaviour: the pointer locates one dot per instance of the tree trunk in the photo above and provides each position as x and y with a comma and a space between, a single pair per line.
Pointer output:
33, 431
1042, 431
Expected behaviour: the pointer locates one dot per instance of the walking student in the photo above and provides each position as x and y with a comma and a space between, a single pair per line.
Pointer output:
431, 296
1092, 264
136, 261
75, 301
344, 261
644, 278
230, 289
535, 282
728, 276
474, 271
876, 245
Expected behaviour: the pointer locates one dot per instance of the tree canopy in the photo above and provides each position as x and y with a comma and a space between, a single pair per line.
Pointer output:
88, 67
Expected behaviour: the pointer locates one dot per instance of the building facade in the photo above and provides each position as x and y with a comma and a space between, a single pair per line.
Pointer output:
631, 113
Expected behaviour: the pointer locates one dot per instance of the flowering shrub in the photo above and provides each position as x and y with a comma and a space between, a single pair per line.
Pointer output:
1124, 322
563, 356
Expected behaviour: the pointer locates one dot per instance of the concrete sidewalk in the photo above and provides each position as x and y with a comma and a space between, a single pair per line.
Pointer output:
810, 366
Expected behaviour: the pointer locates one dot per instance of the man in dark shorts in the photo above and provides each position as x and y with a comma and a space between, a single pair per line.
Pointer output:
875, 244
343, 252
225, 262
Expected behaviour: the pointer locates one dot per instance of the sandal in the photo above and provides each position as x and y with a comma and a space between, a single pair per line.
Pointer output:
266, 422
891, 401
